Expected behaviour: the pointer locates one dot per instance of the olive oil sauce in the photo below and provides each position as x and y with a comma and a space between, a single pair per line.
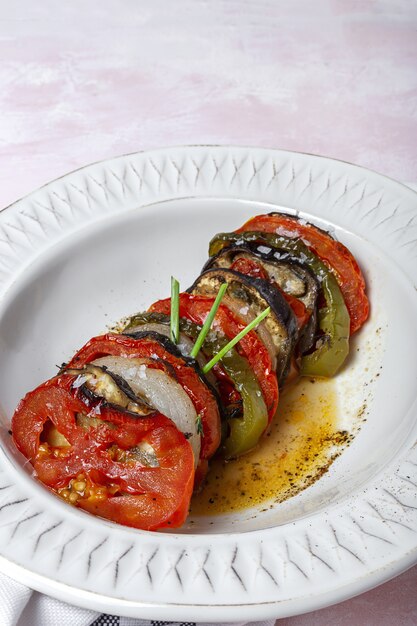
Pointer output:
300, 445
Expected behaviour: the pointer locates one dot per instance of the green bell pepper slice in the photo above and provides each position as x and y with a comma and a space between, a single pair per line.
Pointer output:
242, 433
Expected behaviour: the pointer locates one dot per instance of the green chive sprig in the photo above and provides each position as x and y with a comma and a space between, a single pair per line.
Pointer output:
199, 425
175, 310
209, 320
235, 340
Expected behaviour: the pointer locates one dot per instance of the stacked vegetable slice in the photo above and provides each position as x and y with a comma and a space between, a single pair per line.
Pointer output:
128, 426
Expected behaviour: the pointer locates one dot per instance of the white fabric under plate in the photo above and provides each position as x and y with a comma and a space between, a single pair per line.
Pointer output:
20, 606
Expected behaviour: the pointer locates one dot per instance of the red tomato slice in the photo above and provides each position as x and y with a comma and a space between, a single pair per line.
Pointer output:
334, 254
249, 267
196, 309
200, 395
229, 395
49, 401
125, 490
298, 308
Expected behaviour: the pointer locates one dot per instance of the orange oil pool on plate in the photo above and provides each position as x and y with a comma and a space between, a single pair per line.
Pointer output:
302, 442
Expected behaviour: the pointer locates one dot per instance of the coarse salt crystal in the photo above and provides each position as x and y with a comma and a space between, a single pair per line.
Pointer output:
264, 249
80, 380
285, 233
281, 255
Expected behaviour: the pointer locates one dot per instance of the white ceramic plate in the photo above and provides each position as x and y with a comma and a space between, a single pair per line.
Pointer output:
101, 243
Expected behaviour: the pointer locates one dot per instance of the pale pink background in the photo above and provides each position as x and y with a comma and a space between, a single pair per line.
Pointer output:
82, 81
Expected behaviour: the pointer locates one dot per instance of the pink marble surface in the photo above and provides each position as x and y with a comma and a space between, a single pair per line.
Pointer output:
391, 604
83, 81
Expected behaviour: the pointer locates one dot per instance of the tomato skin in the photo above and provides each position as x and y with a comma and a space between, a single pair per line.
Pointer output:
125, 510
150, 498
200, 395
333, 253
249, 267
298, 308
32, 413
196, 309
200, 474
229, 395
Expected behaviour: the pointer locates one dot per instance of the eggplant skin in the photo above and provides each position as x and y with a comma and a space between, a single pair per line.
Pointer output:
297, 218
165, 342
271, 258
292, 276
102, 387
258, 294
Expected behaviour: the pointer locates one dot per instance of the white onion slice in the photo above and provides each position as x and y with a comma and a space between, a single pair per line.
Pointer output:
160, 391
185, 344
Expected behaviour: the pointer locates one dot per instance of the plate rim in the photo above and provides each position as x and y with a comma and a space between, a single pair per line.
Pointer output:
266, 610
208, 145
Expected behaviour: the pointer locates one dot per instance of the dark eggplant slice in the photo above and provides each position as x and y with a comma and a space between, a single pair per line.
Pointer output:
289, 275
165, 342
161, 323
292, 277
98, 383
248, 297
291, 251
185, 344
151, 320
